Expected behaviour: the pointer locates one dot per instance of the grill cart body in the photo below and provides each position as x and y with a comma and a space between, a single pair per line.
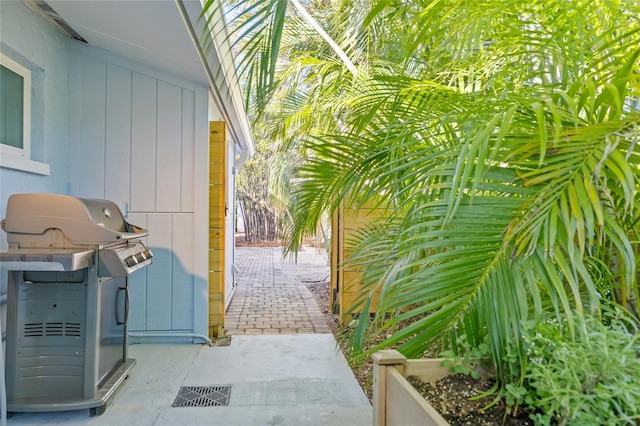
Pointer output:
68, 266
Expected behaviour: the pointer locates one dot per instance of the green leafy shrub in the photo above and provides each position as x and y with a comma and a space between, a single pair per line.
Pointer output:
588, 374
470, 357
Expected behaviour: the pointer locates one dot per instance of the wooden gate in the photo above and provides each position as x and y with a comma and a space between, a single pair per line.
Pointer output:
346, 280
217, 216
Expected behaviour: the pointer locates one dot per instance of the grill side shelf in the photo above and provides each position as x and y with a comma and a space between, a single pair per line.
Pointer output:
46, 260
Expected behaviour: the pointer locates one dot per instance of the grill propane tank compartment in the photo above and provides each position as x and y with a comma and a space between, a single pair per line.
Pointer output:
68, 267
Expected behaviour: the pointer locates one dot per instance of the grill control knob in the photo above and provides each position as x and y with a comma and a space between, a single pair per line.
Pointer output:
140, 257
148, 254
131, 261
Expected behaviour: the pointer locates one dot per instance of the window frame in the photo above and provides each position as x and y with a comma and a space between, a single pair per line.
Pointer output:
25, 73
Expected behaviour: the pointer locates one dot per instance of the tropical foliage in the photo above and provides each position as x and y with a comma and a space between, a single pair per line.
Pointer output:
587, 380
501, 135
260, 218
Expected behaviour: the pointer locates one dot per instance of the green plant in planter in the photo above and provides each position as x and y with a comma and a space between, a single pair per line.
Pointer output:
465, 357
588, 377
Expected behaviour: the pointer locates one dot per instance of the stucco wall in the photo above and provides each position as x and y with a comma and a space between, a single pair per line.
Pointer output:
30, 41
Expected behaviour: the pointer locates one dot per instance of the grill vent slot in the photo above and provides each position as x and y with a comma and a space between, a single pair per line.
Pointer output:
72, 329
33, 330
53, 329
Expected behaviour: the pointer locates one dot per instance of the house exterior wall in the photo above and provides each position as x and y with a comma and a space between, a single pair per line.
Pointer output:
107, 127
27, 39
134, 139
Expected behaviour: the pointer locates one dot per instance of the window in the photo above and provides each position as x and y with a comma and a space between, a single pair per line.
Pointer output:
15, 108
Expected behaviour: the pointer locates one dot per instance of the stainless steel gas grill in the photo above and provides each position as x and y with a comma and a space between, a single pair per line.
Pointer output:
68, 265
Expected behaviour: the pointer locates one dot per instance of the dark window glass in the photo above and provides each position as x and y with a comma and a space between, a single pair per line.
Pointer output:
11, 108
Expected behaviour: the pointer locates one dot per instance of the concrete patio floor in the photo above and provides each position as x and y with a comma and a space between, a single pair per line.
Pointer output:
300, 380
292, 374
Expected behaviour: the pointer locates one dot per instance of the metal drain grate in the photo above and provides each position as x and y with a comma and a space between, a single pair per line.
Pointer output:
202, 396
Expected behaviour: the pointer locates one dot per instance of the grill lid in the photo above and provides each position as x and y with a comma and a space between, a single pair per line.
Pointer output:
82, 221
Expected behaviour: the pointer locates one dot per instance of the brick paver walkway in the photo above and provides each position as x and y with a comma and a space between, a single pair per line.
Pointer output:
271, 296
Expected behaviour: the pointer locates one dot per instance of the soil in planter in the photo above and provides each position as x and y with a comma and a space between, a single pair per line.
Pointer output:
451, 397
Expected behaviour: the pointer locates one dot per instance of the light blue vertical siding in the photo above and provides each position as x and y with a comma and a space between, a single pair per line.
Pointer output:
138, 284
88, 127
160, 273
183, 281
117, 186
143, 143
133, 141
169, 148
188, 149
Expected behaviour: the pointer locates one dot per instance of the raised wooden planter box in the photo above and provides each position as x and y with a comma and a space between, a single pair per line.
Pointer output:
395, 401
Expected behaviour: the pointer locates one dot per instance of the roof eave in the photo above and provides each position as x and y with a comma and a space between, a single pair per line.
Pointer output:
214, 49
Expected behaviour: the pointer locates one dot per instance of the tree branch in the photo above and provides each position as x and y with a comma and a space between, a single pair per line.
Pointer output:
314, 24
